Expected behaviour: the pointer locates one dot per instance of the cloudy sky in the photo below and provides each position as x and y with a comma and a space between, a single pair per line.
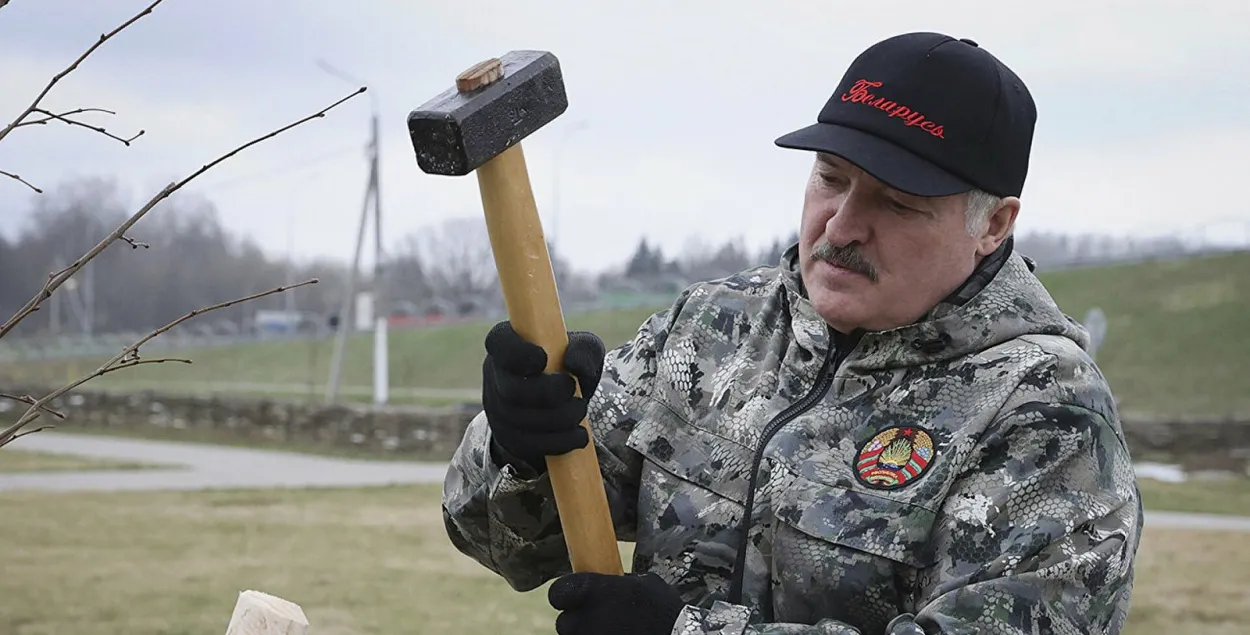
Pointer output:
1143, 116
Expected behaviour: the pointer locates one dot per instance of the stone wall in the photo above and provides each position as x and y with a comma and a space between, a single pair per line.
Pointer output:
408, 430
1199, 444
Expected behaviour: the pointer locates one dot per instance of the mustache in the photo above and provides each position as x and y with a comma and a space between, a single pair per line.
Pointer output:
848, 257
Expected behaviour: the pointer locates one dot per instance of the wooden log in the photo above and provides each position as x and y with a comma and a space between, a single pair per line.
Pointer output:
257, 613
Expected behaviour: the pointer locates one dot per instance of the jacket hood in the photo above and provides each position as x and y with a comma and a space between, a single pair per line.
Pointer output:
1011, 303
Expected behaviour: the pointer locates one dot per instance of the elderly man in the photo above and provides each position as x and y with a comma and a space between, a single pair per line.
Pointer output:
892, 430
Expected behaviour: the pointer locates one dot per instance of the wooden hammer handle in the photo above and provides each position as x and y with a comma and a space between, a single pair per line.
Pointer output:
529, 291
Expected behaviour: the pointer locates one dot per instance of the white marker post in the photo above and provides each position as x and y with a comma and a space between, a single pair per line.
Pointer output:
1096, 323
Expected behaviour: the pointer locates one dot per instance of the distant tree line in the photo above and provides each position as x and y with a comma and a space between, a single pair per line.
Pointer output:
183, 258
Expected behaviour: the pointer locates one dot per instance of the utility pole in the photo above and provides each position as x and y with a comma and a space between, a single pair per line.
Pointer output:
347, 312
381, 306
381, 381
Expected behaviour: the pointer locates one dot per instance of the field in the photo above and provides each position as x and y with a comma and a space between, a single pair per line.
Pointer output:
1176, 344
1177, 340
377, 562
438, 358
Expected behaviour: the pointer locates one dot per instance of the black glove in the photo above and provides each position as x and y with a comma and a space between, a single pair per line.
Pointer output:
533, 414
598, 604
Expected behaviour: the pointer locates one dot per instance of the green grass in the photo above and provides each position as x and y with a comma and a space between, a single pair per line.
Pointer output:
1177, 343
1199, 496
378, 562
1178, 336
444, 357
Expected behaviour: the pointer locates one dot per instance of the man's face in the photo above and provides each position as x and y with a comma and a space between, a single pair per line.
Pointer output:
896, 255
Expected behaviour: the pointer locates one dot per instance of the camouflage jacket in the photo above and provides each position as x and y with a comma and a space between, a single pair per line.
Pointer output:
963, 474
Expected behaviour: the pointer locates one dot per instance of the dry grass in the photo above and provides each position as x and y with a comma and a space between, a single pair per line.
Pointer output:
378, 562
18, 460
374, 561
1191, 582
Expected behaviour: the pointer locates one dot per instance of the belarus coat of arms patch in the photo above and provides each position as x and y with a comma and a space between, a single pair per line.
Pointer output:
894, 457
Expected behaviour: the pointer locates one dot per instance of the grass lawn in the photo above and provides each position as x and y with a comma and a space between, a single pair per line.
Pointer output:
1176, 331
13, 459
444, 357
377, 561
1223, 496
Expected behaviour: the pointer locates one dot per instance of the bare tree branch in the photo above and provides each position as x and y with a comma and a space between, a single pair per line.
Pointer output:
69, 69
139, 362
65, 117
27, 399
129, 357
59, 278
21, 180
50, 117
28, 431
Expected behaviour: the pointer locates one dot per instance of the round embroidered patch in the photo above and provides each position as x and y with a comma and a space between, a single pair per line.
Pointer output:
895, 457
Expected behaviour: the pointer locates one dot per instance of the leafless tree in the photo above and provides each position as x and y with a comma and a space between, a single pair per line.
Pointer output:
457, 260
35, 114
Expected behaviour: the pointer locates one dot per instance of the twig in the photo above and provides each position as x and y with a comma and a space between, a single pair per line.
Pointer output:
140, 362
26, 432
74, 122
130, 357
134, 243
21, 180
56, 280
50, 117
27, 399
69, 69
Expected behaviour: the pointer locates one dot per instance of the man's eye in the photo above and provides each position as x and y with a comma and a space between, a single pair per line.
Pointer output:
901, 208
831, 179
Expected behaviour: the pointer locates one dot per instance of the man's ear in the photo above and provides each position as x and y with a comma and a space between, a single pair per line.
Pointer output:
998, 226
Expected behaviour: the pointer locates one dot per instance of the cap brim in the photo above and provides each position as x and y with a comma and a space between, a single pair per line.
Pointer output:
892, 165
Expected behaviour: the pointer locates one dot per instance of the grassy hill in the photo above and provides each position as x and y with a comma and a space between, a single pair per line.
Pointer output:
1178, 336
1178, 342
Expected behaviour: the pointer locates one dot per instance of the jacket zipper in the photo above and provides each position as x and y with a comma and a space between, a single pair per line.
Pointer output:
833, 359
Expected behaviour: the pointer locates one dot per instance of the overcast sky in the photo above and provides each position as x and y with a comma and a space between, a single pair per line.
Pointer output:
1144, 109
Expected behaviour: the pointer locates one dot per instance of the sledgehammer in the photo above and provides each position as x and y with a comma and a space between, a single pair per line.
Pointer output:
478, 126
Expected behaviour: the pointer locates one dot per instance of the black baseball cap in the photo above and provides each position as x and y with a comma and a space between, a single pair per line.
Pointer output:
929, 115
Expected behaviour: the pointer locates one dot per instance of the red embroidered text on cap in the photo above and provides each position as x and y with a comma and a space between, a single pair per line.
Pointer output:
859, 94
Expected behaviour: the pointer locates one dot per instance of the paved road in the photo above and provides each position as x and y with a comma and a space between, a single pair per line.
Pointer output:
201, 466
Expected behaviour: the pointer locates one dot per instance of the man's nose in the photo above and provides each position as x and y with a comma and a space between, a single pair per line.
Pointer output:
851, 222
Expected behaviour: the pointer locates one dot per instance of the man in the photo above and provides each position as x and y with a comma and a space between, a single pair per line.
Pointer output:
893, 430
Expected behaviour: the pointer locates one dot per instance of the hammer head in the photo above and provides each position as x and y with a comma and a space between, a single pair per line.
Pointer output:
459, 130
